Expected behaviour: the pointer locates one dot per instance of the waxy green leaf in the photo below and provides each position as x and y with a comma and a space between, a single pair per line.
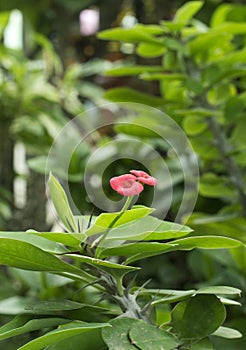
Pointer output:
198, 317
148, 337
110, 220
63, 332
25, 323
131, 35
25, 256
123, 94
137, 251
148, 229
69, 239
60, 201
114, 269
185, 13
36, 239
226, 332
117, 337
132, 70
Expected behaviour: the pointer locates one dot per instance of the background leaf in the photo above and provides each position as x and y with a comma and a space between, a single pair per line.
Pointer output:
200, 316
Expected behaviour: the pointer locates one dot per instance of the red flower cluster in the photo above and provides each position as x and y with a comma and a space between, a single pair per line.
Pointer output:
132, 184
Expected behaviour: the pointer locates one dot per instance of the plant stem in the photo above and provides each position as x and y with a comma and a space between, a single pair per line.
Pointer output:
44, 282
127, 204
232, 167
129, 306
104, 236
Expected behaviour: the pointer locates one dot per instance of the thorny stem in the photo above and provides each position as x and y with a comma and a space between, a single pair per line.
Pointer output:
126, 301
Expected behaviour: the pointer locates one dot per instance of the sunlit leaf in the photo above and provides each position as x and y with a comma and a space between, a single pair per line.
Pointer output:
226, 332
187, 11
110, 220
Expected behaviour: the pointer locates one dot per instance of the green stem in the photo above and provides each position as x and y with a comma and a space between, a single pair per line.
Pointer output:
44, 281
119, 286
104, 236
127, 204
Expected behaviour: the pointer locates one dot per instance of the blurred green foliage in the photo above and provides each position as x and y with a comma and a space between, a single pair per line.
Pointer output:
194, 71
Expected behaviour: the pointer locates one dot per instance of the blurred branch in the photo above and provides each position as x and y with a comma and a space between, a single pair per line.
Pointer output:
231, 166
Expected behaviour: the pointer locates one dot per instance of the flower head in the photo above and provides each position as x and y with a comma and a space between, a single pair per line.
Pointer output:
144, 178
126, 185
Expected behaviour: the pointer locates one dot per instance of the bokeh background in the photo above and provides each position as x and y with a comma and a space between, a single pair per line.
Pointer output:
54, 67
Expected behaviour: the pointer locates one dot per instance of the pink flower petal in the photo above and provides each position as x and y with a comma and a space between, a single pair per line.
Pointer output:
143, 177
151, 181
126, 185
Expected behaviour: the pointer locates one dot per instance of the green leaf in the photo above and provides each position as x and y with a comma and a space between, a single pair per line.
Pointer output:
171, 296
137, 251
161, 76
91, 340
234, 107
132, 35
185, 13
206, 242
230, 27
135, 129
25, 256
206, 41
198, 317
219, 290
150, 50
61, 204
194, 125
224, 12
4, 18
117, 337
69, 239
235, 57
63, 332
123, 94
148, 337
140, 250
203, 344
114, 269
14, 305
172, 26
227, 301
23, 305
35, 239
131, 70
214, 186
226, 332
149, 229
54, 306
24, 324
194, 86
109, 220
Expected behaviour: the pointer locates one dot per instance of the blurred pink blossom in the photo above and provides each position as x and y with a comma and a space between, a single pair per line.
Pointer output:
89, 21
